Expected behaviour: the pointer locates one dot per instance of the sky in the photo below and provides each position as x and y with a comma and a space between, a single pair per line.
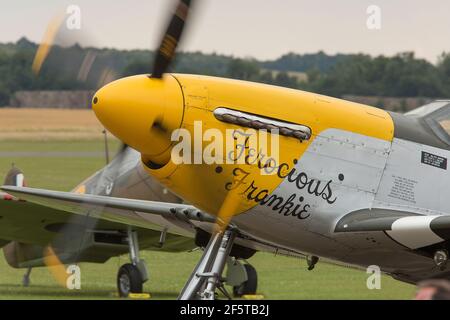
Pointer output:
263, 29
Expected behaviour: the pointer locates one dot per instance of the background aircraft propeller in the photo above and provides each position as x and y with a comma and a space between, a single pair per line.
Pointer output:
58, 55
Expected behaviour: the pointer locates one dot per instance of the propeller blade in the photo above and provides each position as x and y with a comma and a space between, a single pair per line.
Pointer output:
227, 210
158, 128
47, 43
171, 38
55, 266
60, 57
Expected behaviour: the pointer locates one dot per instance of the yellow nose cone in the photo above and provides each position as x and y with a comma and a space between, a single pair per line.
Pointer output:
142, 112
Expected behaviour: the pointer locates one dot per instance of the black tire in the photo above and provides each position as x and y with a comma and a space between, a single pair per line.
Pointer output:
249, 286
129, 280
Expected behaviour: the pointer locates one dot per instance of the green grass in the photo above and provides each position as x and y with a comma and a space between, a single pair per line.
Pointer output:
279, 277
45, 146
60, 173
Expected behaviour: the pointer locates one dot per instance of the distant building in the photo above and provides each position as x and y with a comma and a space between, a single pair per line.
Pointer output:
52, 99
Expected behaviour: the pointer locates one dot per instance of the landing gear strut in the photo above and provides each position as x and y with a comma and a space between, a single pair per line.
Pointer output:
131, 276
26, 277
207, 275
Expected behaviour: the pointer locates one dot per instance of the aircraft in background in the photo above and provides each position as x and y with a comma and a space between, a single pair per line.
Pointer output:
28, 229
352, 183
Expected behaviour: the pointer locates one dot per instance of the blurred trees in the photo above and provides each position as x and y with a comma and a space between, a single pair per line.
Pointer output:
444, 72
402, 75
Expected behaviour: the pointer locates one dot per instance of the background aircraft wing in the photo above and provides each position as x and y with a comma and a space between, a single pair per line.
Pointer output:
28, 222
409, 229
35, 216
119, 210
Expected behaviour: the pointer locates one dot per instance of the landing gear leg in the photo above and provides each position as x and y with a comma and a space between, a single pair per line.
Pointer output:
131, 276
207, 275
26, 277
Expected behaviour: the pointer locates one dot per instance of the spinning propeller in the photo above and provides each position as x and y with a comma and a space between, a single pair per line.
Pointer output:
84, 72
59, 56
164, 57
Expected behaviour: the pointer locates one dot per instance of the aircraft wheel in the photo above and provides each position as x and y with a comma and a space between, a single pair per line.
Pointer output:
249, 286
129, 280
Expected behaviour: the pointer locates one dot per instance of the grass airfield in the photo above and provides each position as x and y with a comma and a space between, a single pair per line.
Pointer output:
42, 159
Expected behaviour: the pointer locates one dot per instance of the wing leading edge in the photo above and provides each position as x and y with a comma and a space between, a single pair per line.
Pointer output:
119, 210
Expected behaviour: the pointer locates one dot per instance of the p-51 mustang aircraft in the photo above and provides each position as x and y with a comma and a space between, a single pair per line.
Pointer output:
352, 183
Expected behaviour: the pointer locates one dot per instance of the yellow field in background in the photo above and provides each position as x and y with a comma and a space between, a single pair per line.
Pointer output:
48, 124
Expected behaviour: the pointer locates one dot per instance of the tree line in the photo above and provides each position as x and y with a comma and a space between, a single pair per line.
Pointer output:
402, 75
